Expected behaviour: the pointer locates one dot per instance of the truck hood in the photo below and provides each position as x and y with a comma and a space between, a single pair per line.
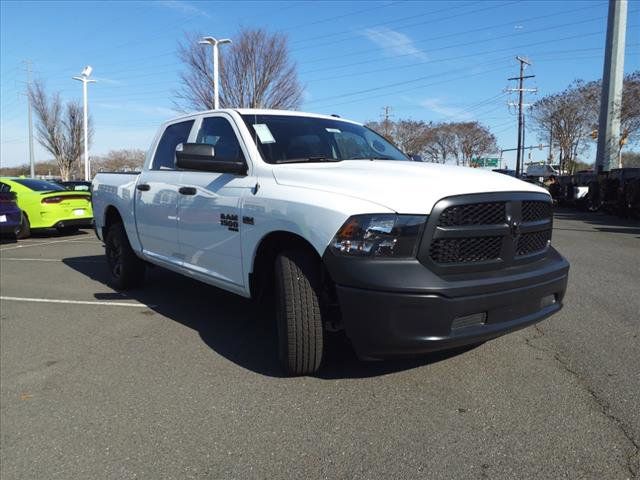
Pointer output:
404, 187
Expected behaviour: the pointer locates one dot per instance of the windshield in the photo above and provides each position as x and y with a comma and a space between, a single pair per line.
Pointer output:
290, 139
39, 185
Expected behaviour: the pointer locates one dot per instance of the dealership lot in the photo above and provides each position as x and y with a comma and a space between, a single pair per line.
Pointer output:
180, 380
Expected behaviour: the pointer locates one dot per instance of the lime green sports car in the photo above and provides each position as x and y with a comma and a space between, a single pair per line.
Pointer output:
48, 205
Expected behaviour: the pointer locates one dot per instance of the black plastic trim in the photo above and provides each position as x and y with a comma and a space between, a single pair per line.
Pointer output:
411, 276
507, 258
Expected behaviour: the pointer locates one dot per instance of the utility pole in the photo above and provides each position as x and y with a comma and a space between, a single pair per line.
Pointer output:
32, 163
523, 61
550, 159
612, 78
84, 78
214, 45
386, 122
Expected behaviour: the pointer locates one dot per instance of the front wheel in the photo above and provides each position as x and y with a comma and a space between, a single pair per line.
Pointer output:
126, 270
300, 335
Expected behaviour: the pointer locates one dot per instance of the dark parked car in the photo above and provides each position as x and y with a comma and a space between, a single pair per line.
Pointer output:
10, 214
505, 171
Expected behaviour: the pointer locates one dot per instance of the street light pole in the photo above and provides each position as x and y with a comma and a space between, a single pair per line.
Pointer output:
214, 44
84, 78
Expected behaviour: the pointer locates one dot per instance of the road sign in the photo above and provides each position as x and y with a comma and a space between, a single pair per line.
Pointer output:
485, 162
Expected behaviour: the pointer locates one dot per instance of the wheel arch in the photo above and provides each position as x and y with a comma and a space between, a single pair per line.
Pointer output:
268, 248
111, 216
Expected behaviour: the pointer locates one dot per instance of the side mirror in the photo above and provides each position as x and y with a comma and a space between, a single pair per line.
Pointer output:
416, 158
201, 157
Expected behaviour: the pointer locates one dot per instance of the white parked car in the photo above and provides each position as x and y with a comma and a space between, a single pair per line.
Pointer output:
339, 228
541, 170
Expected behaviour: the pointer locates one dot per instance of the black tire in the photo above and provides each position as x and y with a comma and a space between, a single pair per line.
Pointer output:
68, 230
126, 270
24, 230
298, 314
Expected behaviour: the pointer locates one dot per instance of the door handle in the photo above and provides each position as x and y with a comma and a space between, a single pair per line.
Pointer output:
187, 190
143, 187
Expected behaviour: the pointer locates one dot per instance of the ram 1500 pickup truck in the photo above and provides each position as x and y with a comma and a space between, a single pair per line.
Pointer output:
339, 228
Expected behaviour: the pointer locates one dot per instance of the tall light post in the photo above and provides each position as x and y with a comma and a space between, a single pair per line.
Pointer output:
84, 78
214, 44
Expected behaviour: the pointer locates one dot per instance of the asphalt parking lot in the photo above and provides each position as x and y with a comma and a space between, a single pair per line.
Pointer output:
179, 380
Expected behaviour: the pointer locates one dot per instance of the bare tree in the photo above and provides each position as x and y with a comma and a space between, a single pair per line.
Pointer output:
472, 140
410, 136
629, 107
572, 115
59, 129
124, 160
256, 71
569, 116
440, 143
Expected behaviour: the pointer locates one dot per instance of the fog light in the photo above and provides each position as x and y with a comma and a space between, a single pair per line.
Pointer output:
469, 320
548, 300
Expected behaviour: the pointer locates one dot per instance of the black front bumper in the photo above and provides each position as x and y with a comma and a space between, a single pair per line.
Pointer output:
392, 308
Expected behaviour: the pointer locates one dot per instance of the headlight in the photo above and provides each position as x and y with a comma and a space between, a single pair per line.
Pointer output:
384, 235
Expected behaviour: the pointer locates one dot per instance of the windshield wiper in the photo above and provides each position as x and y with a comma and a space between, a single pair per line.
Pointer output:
309, 159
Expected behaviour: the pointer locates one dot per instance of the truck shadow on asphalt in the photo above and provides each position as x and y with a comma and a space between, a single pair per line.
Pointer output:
601, 222
235, 327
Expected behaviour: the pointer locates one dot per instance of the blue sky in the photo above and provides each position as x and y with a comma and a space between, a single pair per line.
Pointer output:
431, 60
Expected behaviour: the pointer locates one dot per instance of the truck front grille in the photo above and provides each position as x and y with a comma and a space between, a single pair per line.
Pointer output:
473, 214
533, 211
456, 250
533, 242
486, 231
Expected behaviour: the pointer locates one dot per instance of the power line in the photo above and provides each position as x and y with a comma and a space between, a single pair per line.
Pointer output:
430, 21
350, 33
446, 47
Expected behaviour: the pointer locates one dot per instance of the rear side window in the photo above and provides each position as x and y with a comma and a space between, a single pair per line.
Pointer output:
218, 132
166, 151
39, 185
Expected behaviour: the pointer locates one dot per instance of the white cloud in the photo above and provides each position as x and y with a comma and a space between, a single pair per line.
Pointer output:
183, 7
436, 105
394, 43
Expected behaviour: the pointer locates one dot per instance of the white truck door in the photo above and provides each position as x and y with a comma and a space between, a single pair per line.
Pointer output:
157, 197
210, 209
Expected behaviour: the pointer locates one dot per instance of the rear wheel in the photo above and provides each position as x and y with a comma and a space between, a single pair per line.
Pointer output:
67, 230
24, 230
300, 335
126, 270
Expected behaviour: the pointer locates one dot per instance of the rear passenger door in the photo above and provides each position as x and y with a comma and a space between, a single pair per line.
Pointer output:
157, 197
209, 213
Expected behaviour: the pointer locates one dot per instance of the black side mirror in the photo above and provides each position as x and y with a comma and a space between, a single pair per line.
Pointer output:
416, 158
201, 156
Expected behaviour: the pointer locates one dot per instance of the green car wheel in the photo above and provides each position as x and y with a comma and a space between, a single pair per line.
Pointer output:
24, 231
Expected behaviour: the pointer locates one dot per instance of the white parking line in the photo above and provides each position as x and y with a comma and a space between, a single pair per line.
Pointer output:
75, 302
49, 260
25, 245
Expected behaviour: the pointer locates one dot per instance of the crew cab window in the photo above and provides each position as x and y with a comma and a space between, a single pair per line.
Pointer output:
166, 151
217, 131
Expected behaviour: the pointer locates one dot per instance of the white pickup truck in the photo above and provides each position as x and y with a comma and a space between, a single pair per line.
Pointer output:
339, 228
